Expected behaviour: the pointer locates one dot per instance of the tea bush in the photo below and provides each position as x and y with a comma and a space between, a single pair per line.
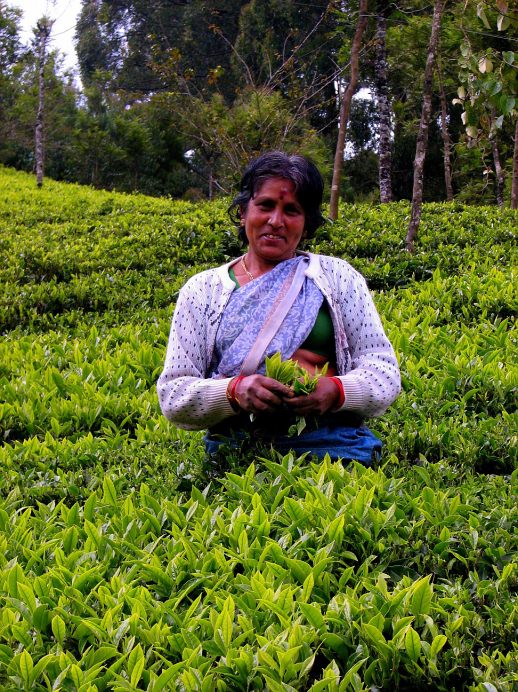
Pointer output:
126, 563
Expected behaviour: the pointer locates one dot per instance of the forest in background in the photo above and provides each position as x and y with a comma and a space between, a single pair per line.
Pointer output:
177, 95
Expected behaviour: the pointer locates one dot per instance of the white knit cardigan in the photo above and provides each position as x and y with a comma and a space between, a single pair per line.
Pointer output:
370, 375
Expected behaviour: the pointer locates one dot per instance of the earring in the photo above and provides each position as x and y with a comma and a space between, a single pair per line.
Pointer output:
242, 223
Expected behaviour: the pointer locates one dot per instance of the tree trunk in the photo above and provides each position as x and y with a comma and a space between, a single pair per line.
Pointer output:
385, 154
422, 135
499, 172
211, 182
345, 108
44, 27
514, 186
446, 139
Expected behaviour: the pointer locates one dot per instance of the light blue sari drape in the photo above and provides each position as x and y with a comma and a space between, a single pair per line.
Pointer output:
247, 310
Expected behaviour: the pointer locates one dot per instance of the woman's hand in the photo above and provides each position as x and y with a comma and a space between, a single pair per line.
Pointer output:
325, 397
261, 394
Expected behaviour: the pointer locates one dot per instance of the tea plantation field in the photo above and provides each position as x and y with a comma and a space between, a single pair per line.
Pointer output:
124, 566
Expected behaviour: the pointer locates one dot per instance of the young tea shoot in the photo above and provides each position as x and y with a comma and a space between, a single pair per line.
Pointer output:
301, 381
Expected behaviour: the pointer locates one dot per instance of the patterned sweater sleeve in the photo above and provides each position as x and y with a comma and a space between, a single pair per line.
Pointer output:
186, 396
373, 381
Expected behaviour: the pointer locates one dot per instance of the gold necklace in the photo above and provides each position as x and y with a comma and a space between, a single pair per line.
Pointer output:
249, 274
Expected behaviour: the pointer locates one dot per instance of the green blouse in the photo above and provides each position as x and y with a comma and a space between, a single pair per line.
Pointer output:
321, 338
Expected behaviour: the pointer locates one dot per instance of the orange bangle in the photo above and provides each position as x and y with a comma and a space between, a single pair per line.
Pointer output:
231, 392
340, 386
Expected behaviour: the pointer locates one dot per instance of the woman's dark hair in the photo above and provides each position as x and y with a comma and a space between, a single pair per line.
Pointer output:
305, 176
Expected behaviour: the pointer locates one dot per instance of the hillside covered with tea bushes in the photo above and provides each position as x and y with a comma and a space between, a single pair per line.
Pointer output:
125, 566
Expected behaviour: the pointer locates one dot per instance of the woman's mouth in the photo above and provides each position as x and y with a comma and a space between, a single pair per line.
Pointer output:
271, 236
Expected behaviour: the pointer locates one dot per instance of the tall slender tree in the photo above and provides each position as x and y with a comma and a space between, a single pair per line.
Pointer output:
44, 27
499, 171
446, 139
422, 135
345, 108
384, 111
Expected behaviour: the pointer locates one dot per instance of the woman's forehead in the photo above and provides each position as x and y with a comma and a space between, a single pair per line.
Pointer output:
276, 186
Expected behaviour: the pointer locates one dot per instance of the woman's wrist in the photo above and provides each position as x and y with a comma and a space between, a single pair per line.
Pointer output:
231, 393
341, 393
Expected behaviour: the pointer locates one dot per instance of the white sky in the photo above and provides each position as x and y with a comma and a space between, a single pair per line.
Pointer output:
64, 12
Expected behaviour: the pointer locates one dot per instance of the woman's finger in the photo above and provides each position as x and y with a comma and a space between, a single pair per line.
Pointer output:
260, 393
323, 399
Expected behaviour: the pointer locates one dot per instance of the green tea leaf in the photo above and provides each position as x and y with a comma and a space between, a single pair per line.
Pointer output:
58, 629
307, 588
26, 595
15, 577
313, 615
6, 654
374, 634
412, 644
93, 533
299, 569
76, 675
421, 597
136, 662
335, 529
227, 621
109, 492
42, 665
348, 677
402, 624
26, 666
437, 644
89, 508
41, 618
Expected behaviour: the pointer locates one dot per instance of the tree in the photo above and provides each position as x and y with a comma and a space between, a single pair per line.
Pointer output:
422, 136
291, 47
20, 77
61, 96
215, 66
408, 34
44, 27
384, 111
10, 54
224, 138
277, 101
446, 139
489, 86
93, 46
10, 44
344, 110
128, 38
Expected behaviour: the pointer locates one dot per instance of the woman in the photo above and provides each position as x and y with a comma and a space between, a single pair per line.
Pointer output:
225, 324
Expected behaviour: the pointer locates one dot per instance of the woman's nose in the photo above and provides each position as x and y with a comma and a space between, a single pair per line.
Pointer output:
276, 218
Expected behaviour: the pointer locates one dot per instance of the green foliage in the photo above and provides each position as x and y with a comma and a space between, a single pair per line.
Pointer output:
488, 78
488, 91
226, 138
125, 564
290, 373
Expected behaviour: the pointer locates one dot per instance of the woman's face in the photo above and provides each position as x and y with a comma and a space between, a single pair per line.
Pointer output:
274, 222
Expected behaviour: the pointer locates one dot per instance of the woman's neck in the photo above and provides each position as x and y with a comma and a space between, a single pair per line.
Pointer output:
255, 266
